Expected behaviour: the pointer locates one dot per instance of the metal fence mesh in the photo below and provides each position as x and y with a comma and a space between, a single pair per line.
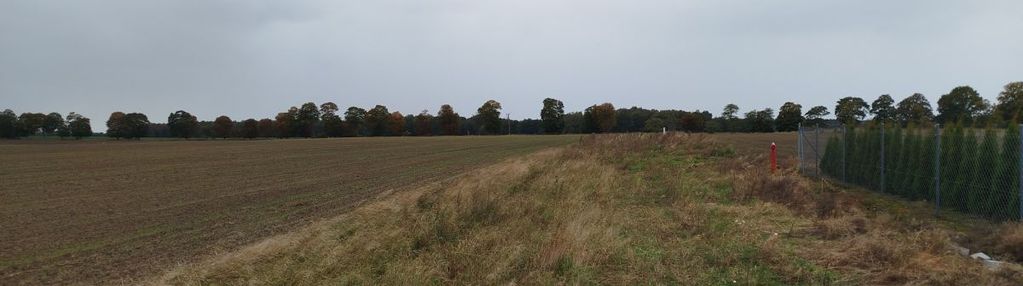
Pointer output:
975, 171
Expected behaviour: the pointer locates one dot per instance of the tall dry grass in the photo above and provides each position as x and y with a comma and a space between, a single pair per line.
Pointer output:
611, 209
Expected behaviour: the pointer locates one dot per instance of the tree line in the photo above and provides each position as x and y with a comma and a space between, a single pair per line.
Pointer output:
27, 124
962, 105
974, 158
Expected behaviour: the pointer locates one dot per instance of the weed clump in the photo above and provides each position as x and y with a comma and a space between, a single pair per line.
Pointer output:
1010, 241
789, 191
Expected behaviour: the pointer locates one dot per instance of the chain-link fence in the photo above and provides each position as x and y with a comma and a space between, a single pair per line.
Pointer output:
975, 171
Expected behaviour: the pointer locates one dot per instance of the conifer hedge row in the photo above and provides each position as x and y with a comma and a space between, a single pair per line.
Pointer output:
979, 168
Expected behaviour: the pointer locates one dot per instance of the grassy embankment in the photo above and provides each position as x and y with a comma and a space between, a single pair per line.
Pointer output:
617, 209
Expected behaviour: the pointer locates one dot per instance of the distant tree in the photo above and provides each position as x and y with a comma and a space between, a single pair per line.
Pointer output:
266, 128
574, 122
730, 118
634, 119
589, 123
78, 126
396, 124
355, 118
914, 109
332, 124
553, 116
52, 122
410, 124
490, 116
604, 117
816, 115
182, 124
116, 125
8, 124
222, 126
287, 123
883, 108
657, 124
328, 109
448, 120
851, 110
760, 120
961, 104
694, 121
64, 129
131, 125
789, 117
423, 125
138, 125
308, 118
250, 128
378, 120
731, 111
1010, 101
31, 123
527, 126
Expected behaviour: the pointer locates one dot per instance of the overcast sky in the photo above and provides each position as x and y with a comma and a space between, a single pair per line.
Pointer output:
252, 59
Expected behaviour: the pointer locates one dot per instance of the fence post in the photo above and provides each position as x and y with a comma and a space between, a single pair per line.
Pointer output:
845, 137
937, 169
817, 150
1021, 172
882, 157
800, 148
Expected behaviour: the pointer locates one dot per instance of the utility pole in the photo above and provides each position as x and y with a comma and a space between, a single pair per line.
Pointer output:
509, 123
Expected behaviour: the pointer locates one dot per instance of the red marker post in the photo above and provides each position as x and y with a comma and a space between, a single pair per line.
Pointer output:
774, 157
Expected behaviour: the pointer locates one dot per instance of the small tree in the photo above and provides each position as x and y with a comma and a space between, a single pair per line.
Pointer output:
222, 126
984, 185
1007, 172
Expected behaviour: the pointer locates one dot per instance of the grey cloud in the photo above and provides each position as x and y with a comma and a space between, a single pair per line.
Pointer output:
255, 58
